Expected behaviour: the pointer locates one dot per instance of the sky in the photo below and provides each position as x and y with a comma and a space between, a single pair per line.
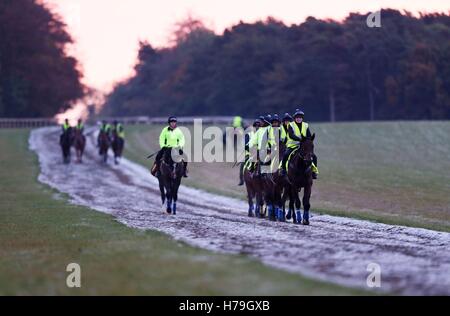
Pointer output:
107, 32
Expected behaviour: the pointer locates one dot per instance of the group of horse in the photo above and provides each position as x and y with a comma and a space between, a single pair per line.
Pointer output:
74, 137
271, 190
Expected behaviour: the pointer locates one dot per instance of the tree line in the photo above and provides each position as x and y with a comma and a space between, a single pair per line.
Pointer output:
334, 70
37, 77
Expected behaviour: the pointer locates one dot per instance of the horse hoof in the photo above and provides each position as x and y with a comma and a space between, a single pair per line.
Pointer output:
288, 215
305, 222
250, 214
168, 211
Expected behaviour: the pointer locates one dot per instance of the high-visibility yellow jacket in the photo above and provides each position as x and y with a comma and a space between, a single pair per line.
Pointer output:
105, 128
119, 130
263, 136
237, 122
171, 137
65, 126
297, 132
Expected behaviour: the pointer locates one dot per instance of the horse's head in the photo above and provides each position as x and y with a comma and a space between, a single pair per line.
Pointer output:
305, 153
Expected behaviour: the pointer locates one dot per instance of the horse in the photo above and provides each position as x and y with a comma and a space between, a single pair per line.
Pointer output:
253, 185
65, 141
79, 143
299, 173
117, 146
103, 144
169, 181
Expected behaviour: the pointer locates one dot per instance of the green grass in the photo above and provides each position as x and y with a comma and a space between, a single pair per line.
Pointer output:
41, 233
390, 172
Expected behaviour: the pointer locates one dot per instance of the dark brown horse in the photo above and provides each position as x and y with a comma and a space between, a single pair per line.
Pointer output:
66, 141
117, 147
79, 143
169, 182
103, 144
299, 174
254, 185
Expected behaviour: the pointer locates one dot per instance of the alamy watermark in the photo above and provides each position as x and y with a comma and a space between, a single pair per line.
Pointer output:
73, 280
374, 277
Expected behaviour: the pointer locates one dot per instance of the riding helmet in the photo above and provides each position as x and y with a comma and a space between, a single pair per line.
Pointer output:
172, 119
299, 113
275, 118
287, 117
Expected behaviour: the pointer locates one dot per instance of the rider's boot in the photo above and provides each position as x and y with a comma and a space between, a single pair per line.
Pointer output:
314, 175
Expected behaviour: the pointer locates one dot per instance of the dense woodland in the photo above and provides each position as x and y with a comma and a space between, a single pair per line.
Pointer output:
333, 70
37, 77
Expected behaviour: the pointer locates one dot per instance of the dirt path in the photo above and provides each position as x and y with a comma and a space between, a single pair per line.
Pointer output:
334, 249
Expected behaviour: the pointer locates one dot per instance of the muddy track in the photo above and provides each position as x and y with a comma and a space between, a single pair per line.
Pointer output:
334, 249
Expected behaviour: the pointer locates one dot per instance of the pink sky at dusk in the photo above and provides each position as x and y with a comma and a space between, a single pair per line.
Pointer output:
107, 32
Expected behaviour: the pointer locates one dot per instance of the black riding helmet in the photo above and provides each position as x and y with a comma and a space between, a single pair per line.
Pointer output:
299, 113
172, 119
256, 123
263, 119
287, 117
275, 118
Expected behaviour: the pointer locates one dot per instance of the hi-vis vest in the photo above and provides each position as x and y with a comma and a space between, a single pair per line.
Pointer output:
80, 126
263, 137
292, 143
171, 138
119, 130
66, 126
237, 122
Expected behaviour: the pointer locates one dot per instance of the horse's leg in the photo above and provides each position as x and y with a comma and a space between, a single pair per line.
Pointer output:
249, 199
161, 189
175, 195
298, 206
284, 197
169, 195
306, 204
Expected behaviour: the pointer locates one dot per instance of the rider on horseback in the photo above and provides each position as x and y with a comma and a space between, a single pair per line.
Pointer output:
66, 126
118, 129
171, 137
248, 138
80, 126
262, 141
297, 130
287, 119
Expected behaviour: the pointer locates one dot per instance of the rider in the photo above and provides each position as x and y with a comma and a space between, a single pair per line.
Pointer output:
118, 129
248, 136
262, 140
80, 126
66, 126
105, 128
296, 131
237, 122
170, 137
287, 119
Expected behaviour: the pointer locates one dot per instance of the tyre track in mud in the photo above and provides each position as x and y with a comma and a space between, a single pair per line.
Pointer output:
333, 249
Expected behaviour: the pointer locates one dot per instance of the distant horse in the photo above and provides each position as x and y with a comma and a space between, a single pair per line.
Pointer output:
103, 144
254, 185
169, 181
117, 147
65, 141
80, 144
299, 173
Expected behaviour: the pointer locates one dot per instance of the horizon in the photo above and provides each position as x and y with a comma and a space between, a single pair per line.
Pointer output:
107, 52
